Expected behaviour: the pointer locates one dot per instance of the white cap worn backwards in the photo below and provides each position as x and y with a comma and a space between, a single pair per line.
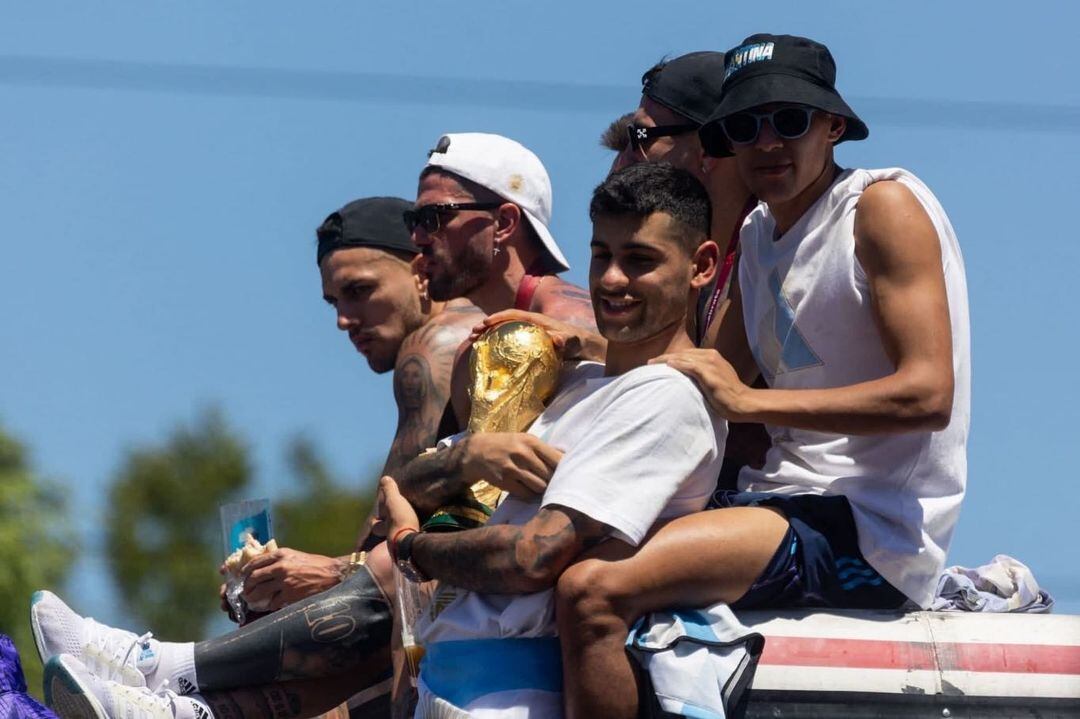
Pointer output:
507, 168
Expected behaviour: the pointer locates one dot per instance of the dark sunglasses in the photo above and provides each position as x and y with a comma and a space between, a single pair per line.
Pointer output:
789, 123
640, 135
428, 215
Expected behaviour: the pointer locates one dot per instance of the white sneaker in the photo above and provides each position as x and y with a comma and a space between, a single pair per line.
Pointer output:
109, 653
74, 693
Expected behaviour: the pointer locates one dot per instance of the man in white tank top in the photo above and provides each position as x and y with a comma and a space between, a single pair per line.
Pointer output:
854, 304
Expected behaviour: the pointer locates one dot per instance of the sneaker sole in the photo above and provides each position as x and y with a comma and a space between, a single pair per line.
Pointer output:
35, 626
66, 696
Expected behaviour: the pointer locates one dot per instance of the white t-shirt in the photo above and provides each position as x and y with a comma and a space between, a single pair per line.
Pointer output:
808, 316
639, 447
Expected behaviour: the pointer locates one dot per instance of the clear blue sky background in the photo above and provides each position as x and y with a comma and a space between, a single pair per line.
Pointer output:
163, 166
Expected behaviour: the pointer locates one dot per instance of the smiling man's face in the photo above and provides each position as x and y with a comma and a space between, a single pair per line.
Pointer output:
639, 276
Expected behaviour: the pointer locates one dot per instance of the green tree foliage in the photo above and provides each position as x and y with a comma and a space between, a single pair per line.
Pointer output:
163, 536
35, 547
163, 533
318, 516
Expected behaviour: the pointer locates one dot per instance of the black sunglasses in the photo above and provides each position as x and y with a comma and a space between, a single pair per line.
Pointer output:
640, 135
428, 215
789, 123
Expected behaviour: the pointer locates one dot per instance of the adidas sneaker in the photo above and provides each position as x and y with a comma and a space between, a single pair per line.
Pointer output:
109, 653
73, 692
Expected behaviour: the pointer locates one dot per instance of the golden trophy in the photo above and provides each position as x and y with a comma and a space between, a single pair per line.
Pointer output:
514, 370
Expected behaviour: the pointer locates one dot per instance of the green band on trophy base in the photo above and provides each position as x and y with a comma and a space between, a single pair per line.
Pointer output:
457, 516
467, 512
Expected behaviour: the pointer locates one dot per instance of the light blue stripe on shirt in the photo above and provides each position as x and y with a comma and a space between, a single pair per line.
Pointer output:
462, 671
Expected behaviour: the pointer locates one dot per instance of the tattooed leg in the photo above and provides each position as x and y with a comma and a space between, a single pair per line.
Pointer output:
346, 628
288, 700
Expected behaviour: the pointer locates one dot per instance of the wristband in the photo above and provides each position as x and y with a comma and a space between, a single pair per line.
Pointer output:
392, 545
405, 562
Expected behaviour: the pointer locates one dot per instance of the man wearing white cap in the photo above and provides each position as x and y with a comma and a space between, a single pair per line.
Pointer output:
480, 220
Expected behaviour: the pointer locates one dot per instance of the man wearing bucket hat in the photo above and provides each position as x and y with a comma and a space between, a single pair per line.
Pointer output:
677, 97
854, 306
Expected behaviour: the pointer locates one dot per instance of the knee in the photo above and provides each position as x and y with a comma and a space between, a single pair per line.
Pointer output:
590, 598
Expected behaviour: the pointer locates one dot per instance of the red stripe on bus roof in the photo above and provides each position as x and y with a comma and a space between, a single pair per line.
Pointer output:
951, 656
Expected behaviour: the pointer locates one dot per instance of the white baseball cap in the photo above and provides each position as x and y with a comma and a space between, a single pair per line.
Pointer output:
507, 168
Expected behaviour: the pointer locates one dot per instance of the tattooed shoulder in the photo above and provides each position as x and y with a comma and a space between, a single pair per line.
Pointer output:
568, 303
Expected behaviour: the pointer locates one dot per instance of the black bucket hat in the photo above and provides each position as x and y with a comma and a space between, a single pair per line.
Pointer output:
765, 69
689, 84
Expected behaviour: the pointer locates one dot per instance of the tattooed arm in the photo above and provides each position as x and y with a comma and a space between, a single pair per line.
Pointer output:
430, 480
508, 559
422, 388
422, 382
517, 462
499, 559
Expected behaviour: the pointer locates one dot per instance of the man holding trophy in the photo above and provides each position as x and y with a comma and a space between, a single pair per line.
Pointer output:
497, 257
640, 445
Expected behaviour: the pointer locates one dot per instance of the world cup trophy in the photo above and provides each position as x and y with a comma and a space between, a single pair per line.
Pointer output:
514, 370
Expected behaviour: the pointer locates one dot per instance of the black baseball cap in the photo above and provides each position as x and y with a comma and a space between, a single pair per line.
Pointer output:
778, 68
688, 84
368, 222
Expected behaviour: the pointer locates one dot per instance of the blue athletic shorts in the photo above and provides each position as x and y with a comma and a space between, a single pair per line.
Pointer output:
818, 563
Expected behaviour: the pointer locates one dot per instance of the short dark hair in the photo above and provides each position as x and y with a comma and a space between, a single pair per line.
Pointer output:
648, 187
614, 137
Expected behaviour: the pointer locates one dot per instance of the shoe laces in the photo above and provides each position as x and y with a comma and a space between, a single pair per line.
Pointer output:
161, 703
110, 651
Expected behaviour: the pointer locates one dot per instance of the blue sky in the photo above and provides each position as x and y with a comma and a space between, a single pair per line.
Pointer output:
164, 166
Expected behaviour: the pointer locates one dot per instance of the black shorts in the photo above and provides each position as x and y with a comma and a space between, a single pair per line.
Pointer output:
818, 563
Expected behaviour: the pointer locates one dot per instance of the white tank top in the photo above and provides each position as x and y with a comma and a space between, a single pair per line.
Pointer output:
807, 310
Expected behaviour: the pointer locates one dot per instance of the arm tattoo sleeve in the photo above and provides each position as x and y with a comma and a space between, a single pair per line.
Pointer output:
431, 480
507, 559
422, 389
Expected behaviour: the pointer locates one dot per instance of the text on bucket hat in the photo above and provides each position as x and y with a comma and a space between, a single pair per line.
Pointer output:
767, 69
507, 168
